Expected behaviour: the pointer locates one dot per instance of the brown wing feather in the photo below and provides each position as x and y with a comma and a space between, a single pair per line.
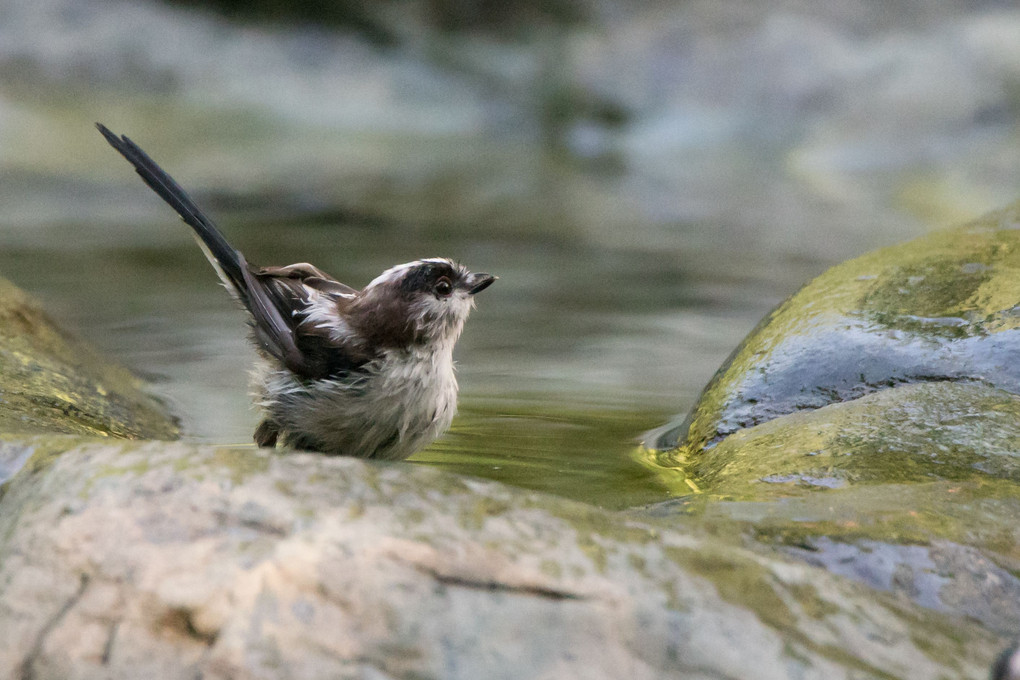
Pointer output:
311, 276
308, 349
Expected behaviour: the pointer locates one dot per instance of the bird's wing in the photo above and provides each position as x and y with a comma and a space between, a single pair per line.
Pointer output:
310, 305
313, 277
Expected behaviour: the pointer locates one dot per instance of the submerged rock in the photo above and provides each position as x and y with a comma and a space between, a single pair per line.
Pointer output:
50, 383
163, 560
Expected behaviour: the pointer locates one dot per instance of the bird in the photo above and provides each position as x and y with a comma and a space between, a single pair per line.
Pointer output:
365, 373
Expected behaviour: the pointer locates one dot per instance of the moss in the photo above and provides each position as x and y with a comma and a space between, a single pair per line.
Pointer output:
316, 478
552, 569
914, 296
489, 506
51, 383
924, 298
791, 651
964, 435
595, 528
415, 516
810, 603
242, 462
586, 519
744, 583
978, 513
136, 466
848, 660
590, 545
940, 638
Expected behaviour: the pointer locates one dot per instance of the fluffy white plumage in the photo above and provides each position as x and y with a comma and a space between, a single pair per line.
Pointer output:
396, 407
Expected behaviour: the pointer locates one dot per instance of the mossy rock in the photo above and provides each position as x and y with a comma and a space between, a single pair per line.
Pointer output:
50, 383
916, 463
871, 425
945, 307
955, 432
914, 489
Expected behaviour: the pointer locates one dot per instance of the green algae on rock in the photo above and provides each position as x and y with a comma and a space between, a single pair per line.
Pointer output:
871, 425
50, 383
914, 489
916, 463
943, 307
925, 432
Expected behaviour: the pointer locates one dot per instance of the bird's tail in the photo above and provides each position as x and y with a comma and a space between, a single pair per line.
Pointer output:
229, 263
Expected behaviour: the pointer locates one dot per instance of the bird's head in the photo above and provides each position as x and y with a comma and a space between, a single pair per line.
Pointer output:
424, 302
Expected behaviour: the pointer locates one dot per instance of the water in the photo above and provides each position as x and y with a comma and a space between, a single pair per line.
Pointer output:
577, 350
627, 274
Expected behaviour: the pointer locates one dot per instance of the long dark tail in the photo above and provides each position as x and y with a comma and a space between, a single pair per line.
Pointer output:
228, 260
272, 329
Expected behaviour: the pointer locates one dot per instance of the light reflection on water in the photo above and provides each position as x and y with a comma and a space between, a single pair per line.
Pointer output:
574, 353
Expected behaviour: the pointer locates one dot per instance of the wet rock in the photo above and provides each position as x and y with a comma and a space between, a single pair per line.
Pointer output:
945, 307
942, 576
870, 425
50, 383
172, 561
944, 431
913, 489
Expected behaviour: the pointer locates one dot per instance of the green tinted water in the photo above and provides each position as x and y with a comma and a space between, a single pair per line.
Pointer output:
589, 338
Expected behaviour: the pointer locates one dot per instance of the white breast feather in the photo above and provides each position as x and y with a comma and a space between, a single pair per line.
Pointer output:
383, 414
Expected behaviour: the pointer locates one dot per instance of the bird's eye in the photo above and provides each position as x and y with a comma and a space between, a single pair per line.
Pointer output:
443, 287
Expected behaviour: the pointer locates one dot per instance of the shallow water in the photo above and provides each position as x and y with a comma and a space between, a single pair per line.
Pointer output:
576, 351
627, 274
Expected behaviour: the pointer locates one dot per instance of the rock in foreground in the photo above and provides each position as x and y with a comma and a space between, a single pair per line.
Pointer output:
169, 561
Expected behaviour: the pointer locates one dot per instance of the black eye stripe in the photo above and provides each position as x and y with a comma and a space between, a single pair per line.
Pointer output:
426, 276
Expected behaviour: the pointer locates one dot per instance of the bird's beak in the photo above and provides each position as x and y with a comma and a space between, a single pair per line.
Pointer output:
476, 283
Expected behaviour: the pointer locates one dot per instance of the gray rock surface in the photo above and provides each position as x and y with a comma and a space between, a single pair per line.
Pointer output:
172, 561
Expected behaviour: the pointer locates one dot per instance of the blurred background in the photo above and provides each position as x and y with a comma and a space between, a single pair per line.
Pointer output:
647, 178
